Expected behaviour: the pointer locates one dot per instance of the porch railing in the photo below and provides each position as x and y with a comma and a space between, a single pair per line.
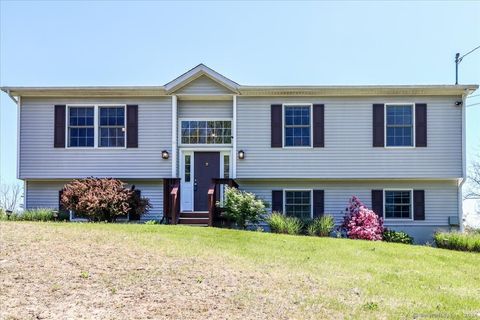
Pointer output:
171, 199
215, 192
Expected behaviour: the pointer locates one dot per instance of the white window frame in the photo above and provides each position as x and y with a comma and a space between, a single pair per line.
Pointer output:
411, 205
285, 200
297, 104
96, 125
203, 145
413, 146
97, 112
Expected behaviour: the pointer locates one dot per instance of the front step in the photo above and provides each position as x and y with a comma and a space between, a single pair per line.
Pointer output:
194, 218
193, 214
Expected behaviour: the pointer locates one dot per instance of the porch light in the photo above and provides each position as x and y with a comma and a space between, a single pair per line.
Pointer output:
165, 155
241, 154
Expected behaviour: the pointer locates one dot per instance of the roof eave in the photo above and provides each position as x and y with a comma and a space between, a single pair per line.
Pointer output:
95, 92
383, 90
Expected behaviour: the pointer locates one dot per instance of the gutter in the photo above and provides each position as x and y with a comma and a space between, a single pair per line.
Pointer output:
7, 91
464, 162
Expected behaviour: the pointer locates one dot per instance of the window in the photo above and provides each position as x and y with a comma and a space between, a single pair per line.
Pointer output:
398, 204
226, 166
81, 128
399, 125
298, 203
297, 129
206, 132
188, 167
112, 127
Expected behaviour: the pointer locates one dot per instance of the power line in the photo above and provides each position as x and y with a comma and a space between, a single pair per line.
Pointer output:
473, 104
459, 59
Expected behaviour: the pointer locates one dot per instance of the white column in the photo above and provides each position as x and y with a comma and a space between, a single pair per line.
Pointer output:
234, 140
174, 136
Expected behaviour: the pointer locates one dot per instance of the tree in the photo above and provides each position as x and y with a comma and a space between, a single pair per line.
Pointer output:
473, 182
10, 196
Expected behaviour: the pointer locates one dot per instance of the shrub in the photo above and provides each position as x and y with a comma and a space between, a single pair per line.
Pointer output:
102, 199
276, 222
293, 225
243, 207
321, 226
40, 214
279, 223
458, 241
397, 236
361, 222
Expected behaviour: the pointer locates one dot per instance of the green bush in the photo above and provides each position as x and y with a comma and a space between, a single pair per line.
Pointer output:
397, 236
280, 223
293, 225
458, 241
276, 222
243, 207
40, 214
322, 226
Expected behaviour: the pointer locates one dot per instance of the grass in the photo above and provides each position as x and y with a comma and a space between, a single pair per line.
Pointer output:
186, 272
458, 241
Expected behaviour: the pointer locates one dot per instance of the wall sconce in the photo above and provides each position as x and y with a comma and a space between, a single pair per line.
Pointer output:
165, 155
241, 154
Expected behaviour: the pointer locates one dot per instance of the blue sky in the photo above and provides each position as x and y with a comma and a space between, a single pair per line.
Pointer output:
149, 43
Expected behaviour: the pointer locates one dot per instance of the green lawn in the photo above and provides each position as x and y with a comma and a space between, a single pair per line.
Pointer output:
219, 273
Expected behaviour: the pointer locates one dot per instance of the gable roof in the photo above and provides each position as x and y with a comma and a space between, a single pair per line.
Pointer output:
197, 72
192, 82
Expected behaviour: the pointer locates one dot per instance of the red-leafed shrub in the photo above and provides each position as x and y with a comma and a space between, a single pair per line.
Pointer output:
362, 223
102, 199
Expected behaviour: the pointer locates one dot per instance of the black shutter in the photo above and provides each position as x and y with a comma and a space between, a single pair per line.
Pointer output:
276, 125
59, 127
378, 125
61, 208
277, 200
318, 203
132, 126
420, 124
133, 215
419, 204
318, 126
377, 202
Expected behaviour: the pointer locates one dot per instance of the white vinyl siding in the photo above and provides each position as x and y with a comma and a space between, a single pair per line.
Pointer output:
440, 196
348, 151
40, 160
44, 194
203, 85
192, 109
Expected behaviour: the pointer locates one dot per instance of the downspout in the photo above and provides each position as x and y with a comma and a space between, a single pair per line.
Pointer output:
463, 179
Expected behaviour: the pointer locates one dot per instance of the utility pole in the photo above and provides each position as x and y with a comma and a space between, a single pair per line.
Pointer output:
459, 59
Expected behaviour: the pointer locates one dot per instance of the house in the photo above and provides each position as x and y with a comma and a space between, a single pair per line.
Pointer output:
304, 149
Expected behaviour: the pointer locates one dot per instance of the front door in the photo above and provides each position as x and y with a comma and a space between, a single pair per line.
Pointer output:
206, 167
